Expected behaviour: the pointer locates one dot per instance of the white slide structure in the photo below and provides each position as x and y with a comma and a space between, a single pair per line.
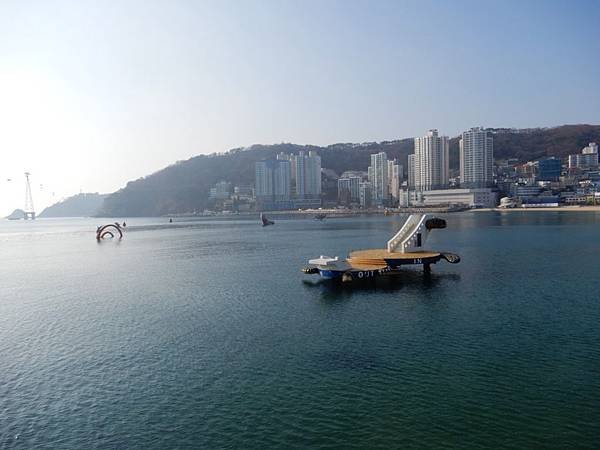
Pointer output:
412, 235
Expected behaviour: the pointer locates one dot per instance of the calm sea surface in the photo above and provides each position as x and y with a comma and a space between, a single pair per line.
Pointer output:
205, 334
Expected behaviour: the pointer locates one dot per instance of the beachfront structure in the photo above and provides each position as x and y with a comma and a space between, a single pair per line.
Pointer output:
308, 175
378, 177
473, 198
431, 161
476, 158
273, 184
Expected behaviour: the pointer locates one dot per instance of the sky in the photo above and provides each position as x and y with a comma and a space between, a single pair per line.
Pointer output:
97, 93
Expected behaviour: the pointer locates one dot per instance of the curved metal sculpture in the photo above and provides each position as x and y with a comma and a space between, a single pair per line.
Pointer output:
106, 231
435, 223
266, 222
452, 258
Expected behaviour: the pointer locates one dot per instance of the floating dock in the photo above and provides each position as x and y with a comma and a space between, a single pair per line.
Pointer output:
405, 248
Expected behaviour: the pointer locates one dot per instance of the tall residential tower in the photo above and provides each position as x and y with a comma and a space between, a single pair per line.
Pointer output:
273, 184
476, 158
431, 166
378, 177
308, 175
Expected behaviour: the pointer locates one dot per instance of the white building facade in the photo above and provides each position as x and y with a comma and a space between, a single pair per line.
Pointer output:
273, 183
476, 158
473, 198
308, 175
588, 158
431, 165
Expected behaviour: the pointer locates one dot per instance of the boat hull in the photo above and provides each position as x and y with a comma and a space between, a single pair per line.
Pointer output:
331, 274
355, 274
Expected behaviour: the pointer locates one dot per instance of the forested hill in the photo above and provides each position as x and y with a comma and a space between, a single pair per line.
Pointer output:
184, 186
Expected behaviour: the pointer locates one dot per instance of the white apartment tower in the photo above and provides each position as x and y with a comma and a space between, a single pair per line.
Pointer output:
431, 161
273, 180
308, 175
476, 158
378, 177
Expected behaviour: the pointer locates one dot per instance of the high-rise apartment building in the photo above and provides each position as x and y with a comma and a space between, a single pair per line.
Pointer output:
349, 189
394, 181
378, 177
431, 161
308, 175
411, 171
273, 183
476, 158
366, 194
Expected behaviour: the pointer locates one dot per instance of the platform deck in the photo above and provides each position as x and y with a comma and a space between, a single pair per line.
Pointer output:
358, 265
379, 255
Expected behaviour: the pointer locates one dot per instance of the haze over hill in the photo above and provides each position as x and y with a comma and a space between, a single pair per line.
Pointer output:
80, 205
16, 214
184, 186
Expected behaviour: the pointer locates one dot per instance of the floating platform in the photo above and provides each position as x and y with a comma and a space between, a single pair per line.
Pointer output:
402, 249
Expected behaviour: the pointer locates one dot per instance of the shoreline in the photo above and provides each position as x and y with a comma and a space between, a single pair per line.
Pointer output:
546, 209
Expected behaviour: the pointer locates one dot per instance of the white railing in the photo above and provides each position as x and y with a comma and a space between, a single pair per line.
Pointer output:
417, 238
407, 237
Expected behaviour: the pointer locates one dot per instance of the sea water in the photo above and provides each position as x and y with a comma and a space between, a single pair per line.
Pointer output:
205, 334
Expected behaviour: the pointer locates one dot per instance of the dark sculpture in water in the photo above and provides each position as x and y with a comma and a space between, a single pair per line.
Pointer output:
106, 231
266, 222
435, 223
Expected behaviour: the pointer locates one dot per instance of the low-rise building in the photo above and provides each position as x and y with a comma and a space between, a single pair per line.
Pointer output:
542, 201
588, 158
549, 169
220, 191
523, 192
474, 198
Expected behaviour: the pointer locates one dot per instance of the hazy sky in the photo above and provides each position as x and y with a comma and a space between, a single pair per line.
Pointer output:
93, 94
